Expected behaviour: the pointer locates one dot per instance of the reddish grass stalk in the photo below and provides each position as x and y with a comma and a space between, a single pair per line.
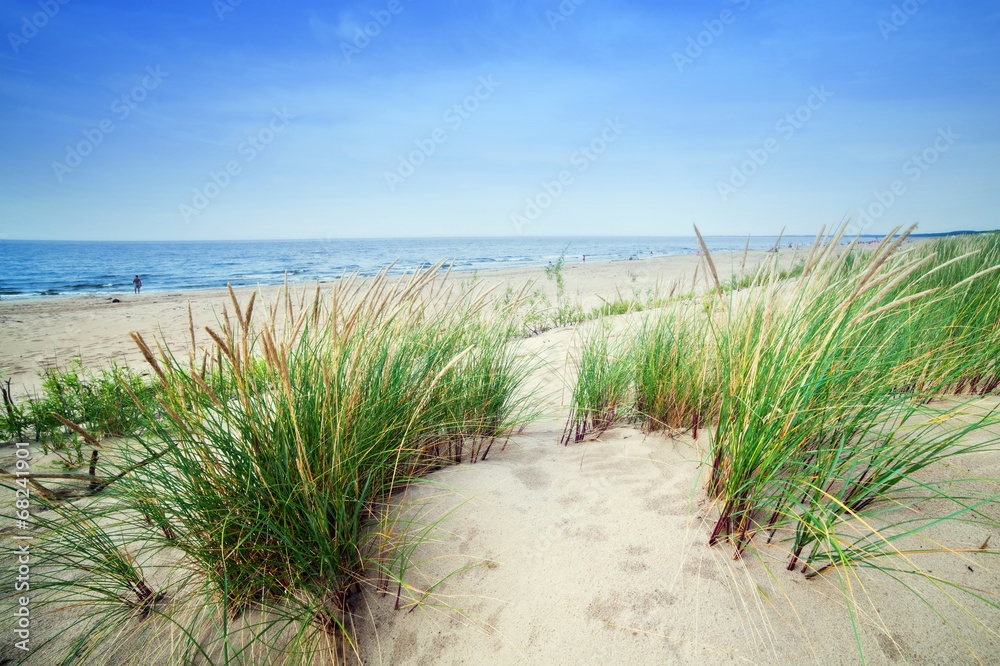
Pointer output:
715, 480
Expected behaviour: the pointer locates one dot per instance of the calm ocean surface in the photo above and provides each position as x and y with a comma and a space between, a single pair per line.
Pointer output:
47, 269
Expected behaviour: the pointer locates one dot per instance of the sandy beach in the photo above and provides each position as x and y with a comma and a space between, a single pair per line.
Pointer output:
589, 552
47, 332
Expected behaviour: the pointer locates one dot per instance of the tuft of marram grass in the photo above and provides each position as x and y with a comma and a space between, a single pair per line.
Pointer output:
676, 381
272, 475
603, 392
822, 399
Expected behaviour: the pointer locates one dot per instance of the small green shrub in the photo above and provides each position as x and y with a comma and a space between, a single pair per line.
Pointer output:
103, 403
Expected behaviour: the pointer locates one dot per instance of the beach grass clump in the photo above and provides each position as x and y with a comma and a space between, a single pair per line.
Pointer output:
529, 317
603, 393
823, 392
829, 415
483, 399
565, 312
274, 475
619, 306
675, 375
818, 378
966, 272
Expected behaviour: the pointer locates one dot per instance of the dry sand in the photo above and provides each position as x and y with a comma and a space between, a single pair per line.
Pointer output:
592, 552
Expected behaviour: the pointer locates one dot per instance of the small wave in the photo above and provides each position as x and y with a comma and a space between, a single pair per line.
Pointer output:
86, 285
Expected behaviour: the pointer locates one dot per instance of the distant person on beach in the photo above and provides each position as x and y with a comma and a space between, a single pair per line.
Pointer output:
138, 283
584, 258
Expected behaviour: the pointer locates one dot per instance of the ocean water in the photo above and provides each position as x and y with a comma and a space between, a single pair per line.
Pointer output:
50, 269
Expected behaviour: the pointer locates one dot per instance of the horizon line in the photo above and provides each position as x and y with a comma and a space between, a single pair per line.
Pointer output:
958, 232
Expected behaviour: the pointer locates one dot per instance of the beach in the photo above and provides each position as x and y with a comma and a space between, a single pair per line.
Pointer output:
595, 551
48, 332
562, 332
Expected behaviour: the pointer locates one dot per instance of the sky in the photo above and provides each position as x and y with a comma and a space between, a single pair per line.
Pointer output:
243, 119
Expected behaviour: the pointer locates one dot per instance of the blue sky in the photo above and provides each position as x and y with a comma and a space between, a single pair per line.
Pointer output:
224, 119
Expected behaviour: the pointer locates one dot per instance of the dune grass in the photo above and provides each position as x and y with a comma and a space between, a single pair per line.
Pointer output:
657, 375
823, 395
602, 394
675, 379
274, 478
829, 414
820, 386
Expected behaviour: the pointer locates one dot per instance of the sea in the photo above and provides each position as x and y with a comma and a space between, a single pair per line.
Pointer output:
53, 269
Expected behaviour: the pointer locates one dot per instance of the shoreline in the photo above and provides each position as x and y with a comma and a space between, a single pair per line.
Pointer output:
45, 333
501, 272
180, 291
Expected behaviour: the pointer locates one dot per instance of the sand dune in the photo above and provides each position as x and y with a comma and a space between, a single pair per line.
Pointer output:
598, 552
589, 552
